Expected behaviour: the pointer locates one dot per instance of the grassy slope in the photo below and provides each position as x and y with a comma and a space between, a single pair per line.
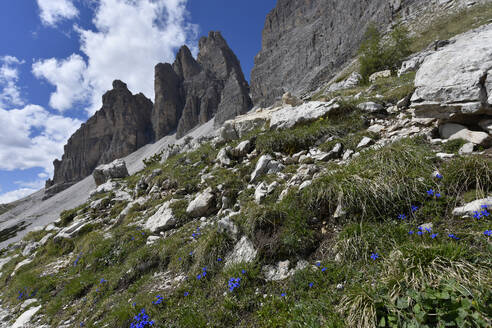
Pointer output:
416, 279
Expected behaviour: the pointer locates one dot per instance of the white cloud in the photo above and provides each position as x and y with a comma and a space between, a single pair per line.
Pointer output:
54, 11
32, 137
130, 38
9, 76
67, 76
14, 195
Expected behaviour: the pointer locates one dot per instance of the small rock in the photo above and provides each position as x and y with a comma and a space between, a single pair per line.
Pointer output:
366, 141
471, 207
466, 148
426, 226
261, 167
162, 220
202, 205
347, 154
378, 75
444, 155
289, 99
152, 240
260, 192
305, 184
370, 107
376, 128
222, 156
243, 252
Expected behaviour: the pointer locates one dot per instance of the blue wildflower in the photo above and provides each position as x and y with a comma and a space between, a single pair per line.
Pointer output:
374, 256
430, 192
141, 320
434, 235
429, 230
283, 294
191, 253
439, 176
410, 232
477, 215
318, 263
487, 233
414, 208
158, 300
438, 195
453, 236
243, 271
219, 260
402, 216
485, 213
323, 270
102, 281
419, 232
186, 294
311, 284
233, 284
484, 206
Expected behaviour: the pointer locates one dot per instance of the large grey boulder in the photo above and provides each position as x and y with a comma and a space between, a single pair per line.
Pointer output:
162, 220
202, 205
457, 131
114, 170
456, 80
288, 117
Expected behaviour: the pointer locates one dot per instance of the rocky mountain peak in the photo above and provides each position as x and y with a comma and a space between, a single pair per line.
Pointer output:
117, 85
185, 65
212, 85
120, 127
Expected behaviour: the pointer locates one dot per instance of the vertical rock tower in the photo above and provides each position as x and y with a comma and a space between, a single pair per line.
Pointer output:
119, 128
190, 92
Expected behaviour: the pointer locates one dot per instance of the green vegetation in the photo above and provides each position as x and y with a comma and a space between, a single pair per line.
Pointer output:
447, 26
108, 273
377, 53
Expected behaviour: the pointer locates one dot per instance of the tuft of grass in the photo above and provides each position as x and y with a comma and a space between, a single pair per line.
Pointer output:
303, 137
377, 184
467, 173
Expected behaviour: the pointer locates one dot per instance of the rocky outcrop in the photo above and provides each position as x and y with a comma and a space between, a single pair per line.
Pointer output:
119, 128
455, 82
305, 42
191, 92
114, 170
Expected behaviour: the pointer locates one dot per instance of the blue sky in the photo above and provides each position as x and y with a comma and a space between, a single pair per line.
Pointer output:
57, 58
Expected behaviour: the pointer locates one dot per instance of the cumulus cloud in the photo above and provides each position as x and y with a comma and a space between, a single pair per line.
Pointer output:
67, 76
130, 38
54, 11
33, 137
14, 195
9, 76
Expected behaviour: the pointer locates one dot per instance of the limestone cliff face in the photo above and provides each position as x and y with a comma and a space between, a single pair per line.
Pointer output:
119, 128
305, 42
197, 90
